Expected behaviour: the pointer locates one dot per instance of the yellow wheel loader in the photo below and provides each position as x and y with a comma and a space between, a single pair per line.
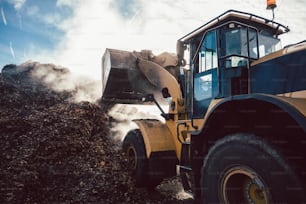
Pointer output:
235, 129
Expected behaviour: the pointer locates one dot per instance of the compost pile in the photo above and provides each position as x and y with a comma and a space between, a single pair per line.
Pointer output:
54, 150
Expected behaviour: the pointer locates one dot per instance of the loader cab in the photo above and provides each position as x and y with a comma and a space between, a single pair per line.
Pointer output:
221, 58
220, 55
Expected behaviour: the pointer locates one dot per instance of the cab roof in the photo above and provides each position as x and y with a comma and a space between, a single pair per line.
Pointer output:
262, 24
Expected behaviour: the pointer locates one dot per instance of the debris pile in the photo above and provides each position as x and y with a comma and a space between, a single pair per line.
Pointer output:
53, 150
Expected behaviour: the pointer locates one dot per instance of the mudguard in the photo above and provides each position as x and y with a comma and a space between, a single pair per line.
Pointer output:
156, 136
295, 107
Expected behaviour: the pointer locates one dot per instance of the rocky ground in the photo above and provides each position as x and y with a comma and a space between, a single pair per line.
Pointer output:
56, 150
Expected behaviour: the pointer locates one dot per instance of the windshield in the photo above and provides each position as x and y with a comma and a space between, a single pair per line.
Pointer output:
241, 43
238, 45
237, 42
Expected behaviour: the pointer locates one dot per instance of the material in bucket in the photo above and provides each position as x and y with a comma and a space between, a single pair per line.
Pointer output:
127, 77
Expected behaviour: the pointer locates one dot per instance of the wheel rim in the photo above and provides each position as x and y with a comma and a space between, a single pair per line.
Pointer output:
242, 185
132, 158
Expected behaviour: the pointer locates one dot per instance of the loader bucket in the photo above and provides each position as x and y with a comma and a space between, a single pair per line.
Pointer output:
122, 81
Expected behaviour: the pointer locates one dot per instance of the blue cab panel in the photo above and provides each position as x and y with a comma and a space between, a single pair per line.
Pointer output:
283, 74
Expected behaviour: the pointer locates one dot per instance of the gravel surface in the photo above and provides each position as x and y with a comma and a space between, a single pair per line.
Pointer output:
56, 150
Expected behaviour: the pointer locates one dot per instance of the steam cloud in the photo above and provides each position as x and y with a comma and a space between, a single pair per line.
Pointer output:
61, 79
122, 117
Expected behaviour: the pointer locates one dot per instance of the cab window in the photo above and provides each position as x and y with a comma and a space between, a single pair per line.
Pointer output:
238, 45
208, 52
268, 44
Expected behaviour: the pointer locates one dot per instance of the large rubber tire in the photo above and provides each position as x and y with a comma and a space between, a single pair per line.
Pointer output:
138, 164
134, 148
243, 168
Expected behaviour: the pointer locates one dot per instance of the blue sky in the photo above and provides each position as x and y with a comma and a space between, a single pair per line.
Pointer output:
75, 33
27, 25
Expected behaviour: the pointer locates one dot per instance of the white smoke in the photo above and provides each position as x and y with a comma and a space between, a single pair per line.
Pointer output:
123, 116
61, 79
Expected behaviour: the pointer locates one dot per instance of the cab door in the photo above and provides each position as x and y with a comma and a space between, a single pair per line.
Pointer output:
205, 86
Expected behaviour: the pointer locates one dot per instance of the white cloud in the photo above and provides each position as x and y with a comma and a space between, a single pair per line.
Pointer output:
155, 25
51, 18
32, 10
18, 4
69, 3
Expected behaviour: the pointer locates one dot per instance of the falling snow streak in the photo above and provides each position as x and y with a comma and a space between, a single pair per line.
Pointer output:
12, 50
3, 16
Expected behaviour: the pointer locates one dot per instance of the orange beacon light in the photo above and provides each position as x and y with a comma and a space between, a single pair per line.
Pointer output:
271, 4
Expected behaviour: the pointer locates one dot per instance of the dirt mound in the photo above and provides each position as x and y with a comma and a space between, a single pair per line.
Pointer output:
53, 150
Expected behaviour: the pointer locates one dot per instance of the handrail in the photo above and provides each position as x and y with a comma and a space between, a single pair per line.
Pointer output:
252, 17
